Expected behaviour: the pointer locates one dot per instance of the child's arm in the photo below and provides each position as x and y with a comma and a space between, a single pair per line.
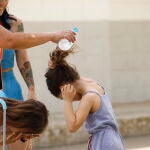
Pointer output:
75, 119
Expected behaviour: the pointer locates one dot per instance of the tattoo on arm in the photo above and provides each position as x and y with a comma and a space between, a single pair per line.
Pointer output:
26, 72
26, 69
20, 27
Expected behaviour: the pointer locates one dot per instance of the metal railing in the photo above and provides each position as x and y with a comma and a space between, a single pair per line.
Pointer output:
4, 106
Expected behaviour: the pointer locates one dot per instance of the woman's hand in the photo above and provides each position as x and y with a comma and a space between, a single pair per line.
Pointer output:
68, 92
13, 137
31, 93
65, 34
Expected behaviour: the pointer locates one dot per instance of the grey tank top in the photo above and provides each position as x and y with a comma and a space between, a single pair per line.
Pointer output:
103, 118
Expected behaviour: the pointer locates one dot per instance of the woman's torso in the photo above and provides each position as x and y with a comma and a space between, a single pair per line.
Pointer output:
11, 87
8, 59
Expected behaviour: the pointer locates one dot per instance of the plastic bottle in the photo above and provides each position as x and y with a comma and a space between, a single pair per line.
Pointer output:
64, 44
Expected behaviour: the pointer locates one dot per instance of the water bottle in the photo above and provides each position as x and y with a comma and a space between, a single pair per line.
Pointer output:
64, 44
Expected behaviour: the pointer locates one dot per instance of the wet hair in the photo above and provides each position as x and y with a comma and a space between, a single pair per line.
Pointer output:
62, 72
30, 116
5, 19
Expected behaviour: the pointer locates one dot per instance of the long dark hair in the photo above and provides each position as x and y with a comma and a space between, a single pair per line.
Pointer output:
5, 19
62, 72
31, 116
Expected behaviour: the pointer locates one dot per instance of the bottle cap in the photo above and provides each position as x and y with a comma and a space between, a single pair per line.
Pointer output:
75, 29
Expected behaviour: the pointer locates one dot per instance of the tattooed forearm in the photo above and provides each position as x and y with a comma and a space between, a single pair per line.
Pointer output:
26, 72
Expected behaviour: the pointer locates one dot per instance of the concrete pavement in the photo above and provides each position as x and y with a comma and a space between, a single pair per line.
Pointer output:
133, 118
131, 143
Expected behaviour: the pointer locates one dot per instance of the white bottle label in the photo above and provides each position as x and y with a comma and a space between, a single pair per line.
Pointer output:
64, 44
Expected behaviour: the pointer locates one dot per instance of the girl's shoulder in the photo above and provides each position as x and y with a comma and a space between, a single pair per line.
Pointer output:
94, 98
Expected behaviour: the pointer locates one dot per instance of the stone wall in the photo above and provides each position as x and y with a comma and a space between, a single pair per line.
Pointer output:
130, 65
115, 53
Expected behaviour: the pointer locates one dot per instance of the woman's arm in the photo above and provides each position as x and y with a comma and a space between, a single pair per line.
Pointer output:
24, 63
27, 40
26, 72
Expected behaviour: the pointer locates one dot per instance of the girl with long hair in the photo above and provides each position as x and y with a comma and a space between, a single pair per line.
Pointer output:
95, 108
24, 120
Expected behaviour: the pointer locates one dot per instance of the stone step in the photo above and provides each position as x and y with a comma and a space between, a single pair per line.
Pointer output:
133, 120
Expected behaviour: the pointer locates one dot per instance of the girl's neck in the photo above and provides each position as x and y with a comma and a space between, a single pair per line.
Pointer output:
83, 85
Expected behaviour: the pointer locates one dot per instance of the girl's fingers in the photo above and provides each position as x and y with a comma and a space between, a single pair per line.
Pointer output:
72, 88
10, 137
29, 137
13, 138
68, 87
68, 91
65, 88
17, 137
36, 135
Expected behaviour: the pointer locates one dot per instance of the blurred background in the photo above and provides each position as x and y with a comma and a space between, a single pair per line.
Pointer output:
114, 49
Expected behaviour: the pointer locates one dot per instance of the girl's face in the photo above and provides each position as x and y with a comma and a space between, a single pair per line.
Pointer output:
3, 5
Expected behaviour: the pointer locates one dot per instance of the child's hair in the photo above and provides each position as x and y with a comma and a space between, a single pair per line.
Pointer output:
61, 72
30, 116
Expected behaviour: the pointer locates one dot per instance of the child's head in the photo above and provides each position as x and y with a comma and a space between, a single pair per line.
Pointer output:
26, 117
61, 72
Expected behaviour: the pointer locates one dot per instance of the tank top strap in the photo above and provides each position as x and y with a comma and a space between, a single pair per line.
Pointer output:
92, 92
96, 92
100, 86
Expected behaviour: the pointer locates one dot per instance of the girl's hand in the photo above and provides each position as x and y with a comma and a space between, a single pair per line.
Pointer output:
68, 92
11, 138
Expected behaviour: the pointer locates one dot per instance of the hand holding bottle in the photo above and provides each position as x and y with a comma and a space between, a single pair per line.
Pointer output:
64, 44
67, 34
